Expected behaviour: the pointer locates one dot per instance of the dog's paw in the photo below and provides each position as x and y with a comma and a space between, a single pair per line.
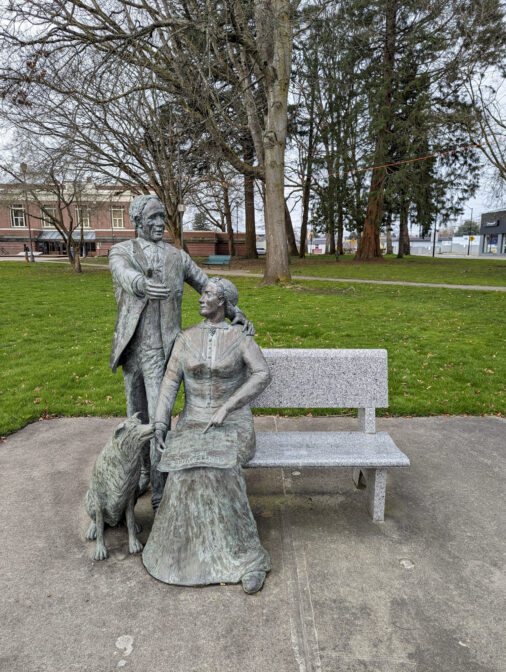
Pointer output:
135, 546
91, 532
101, 552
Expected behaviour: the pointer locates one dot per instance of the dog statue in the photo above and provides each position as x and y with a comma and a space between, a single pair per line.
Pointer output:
113, 489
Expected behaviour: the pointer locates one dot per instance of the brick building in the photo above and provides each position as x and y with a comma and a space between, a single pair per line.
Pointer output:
103, 213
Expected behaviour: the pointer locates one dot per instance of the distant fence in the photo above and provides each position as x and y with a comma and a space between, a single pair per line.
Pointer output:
442, 247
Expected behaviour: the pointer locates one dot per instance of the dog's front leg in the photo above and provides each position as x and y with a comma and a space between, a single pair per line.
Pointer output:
134, 545
101, 551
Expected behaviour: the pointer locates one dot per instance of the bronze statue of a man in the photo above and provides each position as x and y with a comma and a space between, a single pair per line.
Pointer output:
148, 276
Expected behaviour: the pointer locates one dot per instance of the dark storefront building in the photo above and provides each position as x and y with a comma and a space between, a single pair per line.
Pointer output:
493, 233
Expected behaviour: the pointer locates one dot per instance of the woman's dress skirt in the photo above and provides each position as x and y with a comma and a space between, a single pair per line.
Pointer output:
204, 531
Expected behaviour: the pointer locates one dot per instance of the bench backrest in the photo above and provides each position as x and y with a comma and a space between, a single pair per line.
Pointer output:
219, 257
303, 378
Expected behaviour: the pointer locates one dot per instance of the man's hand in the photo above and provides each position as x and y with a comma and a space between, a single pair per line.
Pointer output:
154, 290
247, 326
160, 440
217, 419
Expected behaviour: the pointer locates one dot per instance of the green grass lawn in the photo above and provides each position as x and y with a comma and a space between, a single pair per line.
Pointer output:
409, 269
446, 347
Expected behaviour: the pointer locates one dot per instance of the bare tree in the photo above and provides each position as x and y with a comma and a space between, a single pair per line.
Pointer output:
214, 60
218, 198
487, 124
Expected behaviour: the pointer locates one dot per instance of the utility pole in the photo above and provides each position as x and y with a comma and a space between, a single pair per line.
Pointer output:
470, 233
24, 168
470, 230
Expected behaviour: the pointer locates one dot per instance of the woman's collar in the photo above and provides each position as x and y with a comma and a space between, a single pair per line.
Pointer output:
206, 324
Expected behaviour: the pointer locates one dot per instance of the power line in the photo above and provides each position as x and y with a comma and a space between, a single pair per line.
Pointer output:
223, 182
398, 163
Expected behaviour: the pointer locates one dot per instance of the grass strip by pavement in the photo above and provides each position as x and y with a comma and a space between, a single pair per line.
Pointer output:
409, 269
444, 345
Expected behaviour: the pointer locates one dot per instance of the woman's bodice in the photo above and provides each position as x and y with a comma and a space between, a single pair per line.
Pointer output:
213, 367
219, 364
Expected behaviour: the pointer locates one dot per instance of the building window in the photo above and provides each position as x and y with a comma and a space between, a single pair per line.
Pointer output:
83, 216
118, 217
18, 216
47, 222
490, 244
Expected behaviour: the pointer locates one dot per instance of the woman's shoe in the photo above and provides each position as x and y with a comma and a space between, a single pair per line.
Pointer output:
252, 582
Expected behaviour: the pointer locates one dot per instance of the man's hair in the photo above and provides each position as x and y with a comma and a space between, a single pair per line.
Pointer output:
137, 206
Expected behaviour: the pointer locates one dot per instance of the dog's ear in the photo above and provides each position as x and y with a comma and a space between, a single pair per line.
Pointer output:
119, 430
137, 416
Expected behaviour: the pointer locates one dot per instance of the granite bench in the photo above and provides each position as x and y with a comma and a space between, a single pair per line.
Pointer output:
331, 379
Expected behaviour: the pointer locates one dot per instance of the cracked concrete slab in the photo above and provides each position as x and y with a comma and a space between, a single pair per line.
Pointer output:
419, 592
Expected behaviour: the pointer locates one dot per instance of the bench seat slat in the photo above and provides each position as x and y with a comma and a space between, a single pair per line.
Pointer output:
326, 449
217, 260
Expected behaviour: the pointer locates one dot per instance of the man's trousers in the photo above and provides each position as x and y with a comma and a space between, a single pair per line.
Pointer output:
143, 371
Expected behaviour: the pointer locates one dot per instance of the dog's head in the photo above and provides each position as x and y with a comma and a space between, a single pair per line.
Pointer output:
132, 433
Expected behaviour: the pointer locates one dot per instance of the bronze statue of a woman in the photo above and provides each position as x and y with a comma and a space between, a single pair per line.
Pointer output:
204, 531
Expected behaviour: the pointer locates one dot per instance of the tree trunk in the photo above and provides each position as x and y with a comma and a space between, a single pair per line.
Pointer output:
369, 247
290, 235
332, 239
340, 230
73, 255
173, 226
249, 217
274, 38
330, 243
306, 191
249, 206
404, 247
390, 249
403, 230
228, 219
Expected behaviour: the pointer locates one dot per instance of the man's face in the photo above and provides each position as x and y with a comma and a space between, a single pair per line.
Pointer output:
153, 221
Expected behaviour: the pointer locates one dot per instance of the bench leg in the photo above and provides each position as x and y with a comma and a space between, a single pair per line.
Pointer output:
376, 480
358, 478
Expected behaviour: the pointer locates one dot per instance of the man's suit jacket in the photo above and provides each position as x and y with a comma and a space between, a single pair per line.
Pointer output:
129, 265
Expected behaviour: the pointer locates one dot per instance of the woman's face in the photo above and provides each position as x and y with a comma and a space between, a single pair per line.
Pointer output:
210, 303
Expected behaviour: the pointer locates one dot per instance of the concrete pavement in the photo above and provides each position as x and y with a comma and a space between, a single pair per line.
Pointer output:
421, 592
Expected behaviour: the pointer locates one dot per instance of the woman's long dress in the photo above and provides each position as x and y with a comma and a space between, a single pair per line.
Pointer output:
204, 531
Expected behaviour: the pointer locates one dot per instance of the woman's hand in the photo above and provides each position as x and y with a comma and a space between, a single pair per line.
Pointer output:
160, 440
217, 419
